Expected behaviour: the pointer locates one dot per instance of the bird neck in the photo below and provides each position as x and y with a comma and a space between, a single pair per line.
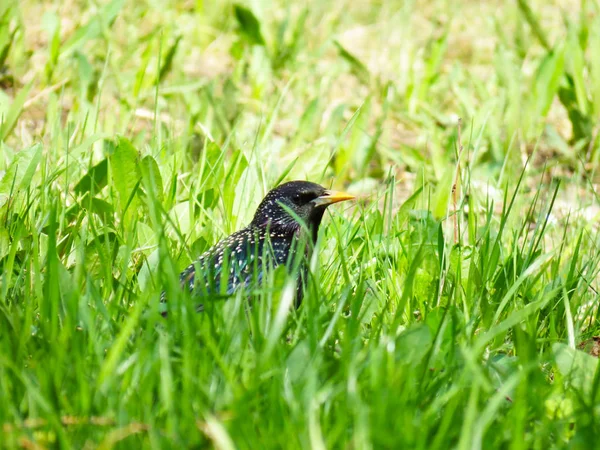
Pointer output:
291, 229
314, 222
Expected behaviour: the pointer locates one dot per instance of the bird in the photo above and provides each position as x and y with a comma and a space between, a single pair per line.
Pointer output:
283, 231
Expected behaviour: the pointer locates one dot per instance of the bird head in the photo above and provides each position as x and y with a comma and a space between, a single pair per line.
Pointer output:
307, 201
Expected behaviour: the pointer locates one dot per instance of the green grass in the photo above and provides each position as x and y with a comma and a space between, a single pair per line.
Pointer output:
452, 306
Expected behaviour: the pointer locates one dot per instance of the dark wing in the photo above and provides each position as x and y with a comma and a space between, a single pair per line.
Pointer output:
239, 260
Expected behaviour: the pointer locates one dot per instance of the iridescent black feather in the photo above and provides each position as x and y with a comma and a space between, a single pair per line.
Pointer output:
283, 231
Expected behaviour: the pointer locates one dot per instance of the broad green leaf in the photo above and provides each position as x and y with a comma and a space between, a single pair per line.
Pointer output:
125, 173
577, 367
147, 238
249, 24
442, 193
547, 79
408, 205
152, 177
180, 217
94, 180
100, 207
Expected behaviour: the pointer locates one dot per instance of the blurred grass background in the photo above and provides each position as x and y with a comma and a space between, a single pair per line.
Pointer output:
454, 306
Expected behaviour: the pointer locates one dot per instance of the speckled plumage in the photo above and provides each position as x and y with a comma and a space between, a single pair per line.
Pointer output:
274, 237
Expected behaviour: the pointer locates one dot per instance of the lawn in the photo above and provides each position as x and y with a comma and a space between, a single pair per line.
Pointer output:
454, 304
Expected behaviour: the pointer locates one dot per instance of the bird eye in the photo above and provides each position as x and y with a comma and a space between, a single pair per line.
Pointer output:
303, 197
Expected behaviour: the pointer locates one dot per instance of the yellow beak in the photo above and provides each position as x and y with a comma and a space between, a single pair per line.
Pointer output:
331, 197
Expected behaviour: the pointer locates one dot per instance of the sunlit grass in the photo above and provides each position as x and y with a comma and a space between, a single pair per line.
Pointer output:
453, 305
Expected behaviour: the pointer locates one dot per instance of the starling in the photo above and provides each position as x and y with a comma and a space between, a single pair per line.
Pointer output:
283, 231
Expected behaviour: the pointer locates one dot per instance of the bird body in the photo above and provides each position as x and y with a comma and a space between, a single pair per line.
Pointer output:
283, 232
243, 254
